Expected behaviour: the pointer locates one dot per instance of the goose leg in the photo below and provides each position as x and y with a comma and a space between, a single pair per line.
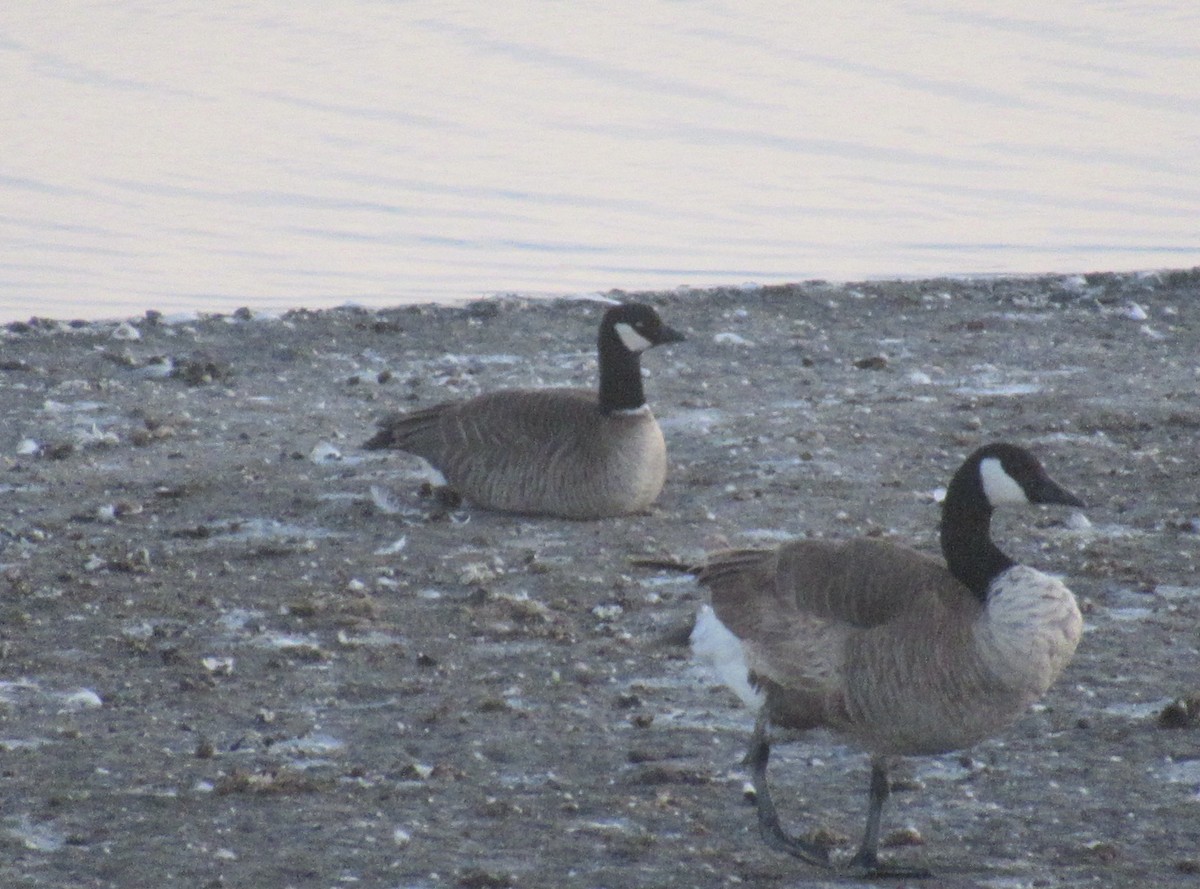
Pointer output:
866, 860
768, 819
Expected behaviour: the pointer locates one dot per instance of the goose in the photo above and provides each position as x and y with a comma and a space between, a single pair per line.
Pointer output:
554, 452
895, 650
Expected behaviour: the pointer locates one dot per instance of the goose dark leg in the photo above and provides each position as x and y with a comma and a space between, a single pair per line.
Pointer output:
866, 860
768, 819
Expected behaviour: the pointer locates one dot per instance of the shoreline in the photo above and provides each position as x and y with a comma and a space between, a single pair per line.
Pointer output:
183, 316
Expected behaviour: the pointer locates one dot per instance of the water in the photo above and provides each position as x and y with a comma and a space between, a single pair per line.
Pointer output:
208, 156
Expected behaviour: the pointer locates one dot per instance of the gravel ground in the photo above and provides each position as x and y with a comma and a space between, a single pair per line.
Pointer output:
238, 651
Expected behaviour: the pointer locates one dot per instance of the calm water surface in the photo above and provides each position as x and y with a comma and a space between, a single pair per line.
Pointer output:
273, 154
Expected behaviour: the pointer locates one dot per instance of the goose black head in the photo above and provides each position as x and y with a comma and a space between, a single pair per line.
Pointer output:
636, 327
1007, 473
995, 474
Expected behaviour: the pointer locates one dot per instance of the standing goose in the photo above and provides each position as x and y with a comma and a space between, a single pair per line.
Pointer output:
900, 652
558, 452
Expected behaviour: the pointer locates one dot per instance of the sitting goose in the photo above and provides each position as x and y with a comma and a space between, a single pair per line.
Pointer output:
556, 452
898, 651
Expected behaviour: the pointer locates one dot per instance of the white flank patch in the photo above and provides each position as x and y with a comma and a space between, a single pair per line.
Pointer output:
998, 486
713, 643
633, 340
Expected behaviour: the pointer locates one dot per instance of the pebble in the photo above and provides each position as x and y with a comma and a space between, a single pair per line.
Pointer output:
84, 699
126, 331
903, 836
1077, 521
728, 338
218, 666
324, 453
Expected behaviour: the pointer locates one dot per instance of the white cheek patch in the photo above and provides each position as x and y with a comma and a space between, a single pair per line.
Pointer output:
632, 340
998, 486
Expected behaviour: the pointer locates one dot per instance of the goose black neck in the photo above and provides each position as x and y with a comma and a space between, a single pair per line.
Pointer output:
620, 375
967, 537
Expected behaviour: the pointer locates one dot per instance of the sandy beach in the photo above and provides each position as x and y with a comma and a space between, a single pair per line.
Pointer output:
236, 650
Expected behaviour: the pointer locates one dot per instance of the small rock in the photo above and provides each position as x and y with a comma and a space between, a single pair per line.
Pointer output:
627, 701
475, 573
904, 836
324, 453
728, 338
1077, 521
1181, 713
202, 370
874, 362
157, 367
477, 878
84, 699
494, 807
1103, 852
218, 666
494, 705
607, 612
94, 437
392, 548
126, 331
60, 450
416, 771
828, 837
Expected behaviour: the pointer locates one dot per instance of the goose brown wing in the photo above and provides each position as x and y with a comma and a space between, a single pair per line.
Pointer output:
539, 452
795, 609
860, 583
511, 421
